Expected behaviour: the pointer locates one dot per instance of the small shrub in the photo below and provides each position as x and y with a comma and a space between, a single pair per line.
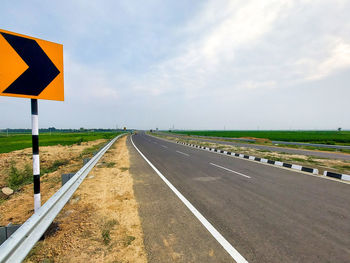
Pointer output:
54, 167
110, 164
128, 240
273, 158
80, 140
89, 152
123, 169
342, 168
106, 230
17, 177
264, 151
106, 236
298, 159
311, 160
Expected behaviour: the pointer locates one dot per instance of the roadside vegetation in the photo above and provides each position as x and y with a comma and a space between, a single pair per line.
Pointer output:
21, 141
19, 174
16, 167
89, 152
100, 223
321, 137
19, 177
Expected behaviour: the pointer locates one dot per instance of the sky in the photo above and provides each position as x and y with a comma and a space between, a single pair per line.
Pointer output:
202, 64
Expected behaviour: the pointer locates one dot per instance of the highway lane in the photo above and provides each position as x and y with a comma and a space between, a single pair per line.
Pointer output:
269, 214
331, 155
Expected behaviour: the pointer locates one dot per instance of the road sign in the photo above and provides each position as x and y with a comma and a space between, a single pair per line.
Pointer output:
30, 67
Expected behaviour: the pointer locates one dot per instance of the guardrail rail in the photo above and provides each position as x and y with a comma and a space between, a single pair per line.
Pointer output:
18, 245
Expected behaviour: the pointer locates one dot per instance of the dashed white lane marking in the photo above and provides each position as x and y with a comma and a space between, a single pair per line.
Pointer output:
164, 146
222, 241
230, 170
183, 153
155, 142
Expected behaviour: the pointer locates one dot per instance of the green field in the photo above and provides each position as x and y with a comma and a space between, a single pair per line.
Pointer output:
322, 137
22, 141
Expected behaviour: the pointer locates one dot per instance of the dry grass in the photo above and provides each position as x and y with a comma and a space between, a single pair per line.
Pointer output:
101, 222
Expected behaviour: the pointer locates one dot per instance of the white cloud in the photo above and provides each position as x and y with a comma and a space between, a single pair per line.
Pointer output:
183, 60
253, 85
243, 26
224, 28
337, 58
88, 83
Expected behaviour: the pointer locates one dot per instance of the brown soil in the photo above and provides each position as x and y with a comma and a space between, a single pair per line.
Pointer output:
101, 222
48, 154
19, 206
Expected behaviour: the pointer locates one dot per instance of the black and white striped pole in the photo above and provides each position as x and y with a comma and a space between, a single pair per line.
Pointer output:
44, 62
36, 160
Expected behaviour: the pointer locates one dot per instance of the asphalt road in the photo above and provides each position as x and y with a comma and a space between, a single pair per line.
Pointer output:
171, 232
331, 155
267, 213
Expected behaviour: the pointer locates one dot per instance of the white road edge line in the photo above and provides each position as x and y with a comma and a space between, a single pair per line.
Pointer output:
230, 170
222, 241
183, 153
164, 146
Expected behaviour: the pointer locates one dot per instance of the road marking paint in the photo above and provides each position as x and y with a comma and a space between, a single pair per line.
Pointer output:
164, 146
230, 170
183, 153
222, 241
155, 142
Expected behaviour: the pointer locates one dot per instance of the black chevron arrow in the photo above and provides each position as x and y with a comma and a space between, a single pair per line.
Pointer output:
41, 71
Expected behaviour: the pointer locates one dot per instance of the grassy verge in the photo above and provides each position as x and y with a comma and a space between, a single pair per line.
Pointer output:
89, 152
321, 137
54, 167
19, 177
268, 143
22, 141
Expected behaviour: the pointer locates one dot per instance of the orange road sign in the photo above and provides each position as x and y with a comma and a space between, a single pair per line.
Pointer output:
30, 67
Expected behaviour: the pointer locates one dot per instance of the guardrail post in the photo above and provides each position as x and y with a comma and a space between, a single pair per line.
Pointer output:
66, 177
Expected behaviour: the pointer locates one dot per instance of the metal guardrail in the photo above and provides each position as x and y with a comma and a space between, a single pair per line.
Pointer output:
17, 246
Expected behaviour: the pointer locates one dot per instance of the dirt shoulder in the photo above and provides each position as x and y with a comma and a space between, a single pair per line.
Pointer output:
101, 221
56, 160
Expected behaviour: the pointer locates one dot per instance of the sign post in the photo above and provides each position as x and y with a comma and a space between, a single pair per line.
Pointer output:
36, 159
31, 68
